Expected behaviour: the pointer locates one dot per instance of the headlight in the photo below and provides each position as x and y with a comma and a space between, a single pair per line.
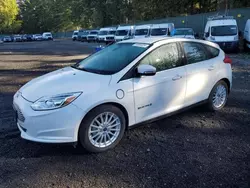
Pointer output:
54, 102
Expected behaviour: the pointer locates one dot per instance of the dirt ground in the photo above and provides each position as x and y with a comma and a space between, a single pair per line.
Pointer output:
192, 149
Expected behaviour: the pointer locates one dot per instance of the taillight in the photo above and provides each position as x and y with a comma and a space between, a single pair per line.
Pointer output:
228, 60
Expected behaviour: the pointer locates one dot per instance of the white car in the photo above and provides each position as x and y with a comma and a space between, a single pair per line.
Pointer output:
127, 83
75, 35
92, 36
47, 36
38, 37
183, 33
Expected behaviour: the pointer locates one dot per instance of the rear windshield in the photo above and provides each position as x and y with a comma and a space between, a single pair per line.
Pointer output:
159, 31
121, 32
112, 59
141, 32
183, 32
226, 30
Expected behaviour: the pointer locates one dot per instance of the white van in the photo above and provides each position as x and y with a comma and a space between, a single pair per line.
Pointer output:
110, 37
223, 30
247, 36
163, 29
75, 35
124, 32
103, 33
47, 36
92, 36
142, 31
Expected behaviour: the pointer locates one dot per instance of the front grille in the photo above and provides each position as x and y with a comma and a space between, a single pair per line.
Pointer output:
225, 45
110, 38
20, 115
91, 37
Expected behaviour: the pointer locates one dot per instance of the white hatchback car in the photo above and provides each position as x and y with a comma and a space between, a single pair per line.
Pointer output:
127, 83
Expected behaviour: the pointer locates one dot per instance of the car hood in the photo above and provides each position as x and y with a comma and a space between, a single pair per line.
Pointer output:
62, 81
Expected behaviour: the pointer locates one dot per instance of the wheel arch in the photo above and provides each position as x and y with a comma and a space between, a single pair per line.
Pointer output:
116, 104
226, 80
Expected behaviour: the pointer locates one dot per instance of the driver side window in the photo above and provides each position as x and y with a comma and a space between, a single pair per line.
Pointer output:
163, 58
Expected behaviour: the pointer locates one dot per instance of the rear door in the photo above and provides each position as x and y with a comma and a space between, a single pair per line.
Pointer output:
163, 93
200, 72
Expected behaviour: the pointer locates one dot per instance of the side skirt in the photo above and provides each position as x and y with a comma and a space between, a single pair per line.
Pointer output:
167, 115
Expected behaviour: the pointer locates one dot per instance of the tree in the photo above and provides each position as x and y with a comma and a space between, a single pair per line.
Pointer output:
8, 14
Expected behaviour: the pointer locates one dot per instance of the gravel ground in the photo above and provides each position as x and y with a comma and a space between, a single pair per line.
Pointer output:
192, 149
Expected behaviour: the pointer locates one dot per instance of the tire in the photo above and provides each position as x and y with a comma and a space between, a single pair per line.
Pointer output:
88, 139
212, 106
246, 49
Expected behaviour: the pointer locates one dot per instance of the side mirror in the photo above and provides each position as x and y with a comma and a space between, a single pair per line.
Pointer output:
206, 34
146, 70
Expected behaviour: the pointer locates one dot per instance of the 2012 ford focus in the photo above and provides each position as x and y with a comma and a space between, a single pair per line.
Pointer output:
127, 83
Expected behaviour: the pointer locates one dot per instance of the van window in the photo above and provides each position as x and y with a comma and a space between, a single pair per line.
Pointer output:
121, 32
103, 33
159, 31
226, 30
141, 32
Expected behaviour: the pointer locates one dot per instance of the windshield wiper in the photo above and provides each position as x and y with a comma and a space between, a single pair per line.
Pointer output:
82, 69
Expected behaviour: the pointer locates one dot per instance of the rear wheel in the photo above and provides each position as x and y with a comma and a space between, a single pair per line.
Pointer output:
218, 96
102, 128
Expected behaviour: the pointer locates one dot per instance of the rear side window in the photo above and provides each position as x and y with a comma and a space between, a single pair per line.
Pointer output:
195, 52
213, 52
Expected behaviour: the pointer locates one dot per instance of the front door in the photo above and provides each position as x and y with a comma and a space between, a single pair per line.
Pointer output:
163, 93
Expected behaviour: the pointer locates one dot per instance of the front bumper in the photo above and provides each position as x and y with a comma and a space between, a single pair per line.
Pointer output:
52, 126
228, 46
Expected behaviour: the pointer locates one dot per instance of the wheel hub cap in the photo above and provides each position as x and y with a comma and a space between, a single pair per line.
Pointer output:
220, 95
104, 129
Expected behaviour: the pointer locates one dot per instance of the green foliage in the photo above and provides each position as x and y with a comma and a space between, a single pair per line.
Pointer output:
8, 14
61, 15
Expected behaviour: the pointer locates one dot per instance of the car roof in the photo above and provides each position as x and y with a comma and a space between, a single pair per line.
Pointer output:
146, 40
152, 40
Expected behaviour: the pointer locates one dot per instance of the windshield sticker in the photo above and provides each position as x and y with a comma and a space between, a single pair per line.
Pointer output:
141, 45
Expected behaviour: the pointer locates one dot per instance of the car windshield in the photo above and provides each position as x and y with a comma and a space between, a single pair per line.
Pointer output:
103, 33
38, 35
111, 32
76, 33
159, 31
184, 32
85, 33
93, 32
226, 30
141, 32
121, 32
47, 35
112, 59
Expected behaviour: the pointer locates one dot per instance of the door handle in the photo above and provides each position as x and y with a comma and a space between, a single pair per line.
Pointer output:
177, 77
211, 68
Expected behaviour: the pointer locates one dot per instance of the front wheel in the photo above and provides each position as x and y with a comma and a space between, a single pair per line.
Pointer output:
218, 96
102, 128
